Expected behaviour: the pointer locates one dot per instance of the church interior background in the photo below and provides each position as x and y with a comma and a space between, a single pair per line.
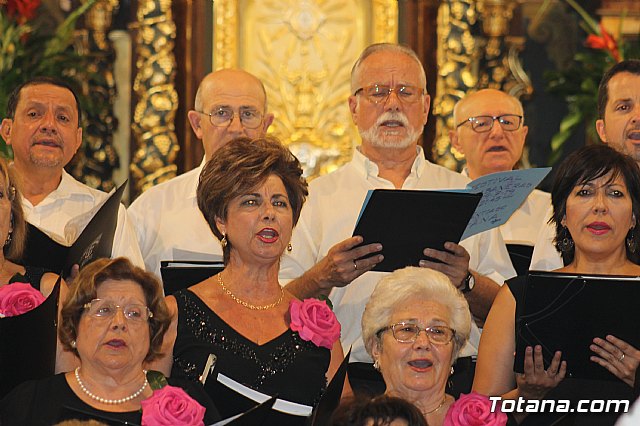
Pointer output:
146, 58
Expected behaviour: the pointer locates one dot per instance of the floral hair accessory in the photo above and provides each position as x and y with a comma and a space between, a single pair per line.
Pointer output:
170, 406
18, 298
314, 321
474, 409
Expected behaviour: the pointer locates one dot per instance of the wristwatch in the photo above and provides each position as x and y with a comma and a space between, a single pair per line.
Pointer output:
468, 283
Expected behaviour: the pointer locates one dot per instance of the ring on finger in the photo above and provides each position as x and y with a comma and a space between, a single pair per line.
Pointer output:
621, 357
355, 266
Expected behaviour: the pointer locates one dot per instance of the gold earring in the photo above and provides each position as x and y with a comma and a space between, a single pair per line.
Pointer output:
224, 241
289, 247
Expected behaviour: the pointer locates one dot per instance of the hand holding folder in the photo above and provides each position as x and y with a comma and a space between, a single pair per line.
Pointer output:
564, 312
406, 222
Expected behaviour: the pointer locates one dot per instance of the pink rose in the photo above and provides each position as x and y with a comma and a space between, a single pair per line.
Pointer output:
474, 409
171, 406
18, 298
315, 321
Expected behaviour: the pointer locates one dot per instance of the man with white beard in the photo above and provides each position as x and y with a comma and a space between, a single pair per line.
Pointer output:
389, 105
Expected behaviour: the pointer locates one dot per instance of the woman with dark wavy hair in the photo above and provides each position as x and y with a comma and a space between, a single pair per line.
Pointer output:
596, 208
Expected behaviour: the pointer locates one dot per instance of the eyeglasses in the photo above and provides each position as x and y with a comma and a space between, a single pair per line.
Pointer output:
484, 123
103, 309
377, 93
223, 116
405, 332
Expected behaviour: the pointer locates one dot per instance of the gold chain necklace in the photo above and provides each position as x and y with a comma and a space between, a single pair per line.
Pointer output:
247, 304
438, 407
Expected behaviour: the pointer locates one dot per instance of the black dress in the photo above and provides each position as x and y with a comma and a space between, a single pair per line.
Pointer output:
49, 401
574, 389
287, 366
32, 275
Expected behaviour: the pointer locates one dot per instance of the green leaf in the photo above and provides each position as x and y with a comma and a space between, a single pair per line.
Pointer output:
156, 379
326, 299
592, 23
63, 36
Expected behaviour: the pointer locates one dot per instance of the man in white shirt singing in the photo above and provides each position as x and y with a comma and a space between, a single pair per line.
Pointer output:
389, 104
43, 128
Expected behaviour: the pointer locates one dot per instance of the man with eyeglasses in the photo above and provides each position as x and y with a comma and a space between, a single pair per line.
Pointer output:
490, 132
229, 103
389, 104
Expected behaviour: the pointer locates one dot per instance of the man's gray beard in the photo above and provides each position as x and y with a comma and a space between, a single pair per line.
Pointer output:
47, 163
373, 136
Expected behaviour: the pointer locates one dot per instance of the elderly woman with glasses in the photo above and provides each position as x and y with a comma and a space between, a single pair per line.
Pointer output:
114, 320
414, 326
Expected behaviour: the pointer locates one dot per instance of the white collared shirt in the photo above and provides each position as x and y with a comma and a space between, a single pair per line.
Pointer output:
330, 214
169, 224
65, 206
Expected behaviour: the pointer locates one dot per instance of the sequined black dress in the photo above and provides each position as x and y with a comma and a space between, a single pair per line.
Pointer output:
288, 366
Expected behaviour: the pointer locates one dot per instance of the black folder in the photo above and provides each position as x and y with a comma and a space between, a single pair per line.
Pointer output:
28, 344
94, 242
520, 255
330, 399
563, 312
179, 274
406, 222
255, 416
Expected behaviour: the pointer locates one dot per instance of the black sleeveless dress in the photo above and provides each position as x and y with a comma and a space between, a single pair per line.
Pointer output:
32, 275
287, 366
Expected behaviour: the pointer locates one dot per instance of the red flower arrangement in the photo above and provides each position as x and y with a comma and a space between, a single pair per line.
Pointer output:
22, 10
604, 41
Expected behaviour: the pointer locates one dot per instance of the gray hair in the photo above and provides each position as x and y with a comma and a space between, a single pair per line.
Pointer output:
386, 47
412, 284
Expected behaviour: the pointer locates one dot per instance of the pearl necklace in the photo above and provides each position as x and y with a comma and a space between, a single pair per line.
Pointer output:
247, 304
111, 401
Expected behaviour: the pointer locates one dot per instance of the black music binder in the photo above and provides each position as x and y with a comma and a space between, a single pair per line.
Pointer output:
564, 312
94, 242
179, 274
406, 222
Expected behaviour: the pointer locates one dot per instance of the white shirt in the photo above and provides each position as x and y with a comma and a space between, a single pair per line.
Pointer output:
169, 224
329, 216
65, 212
545, 255
526, 222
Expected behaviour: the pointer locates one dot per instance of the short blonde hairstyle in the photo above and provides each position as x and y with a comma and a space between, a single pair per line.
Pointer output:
412, 284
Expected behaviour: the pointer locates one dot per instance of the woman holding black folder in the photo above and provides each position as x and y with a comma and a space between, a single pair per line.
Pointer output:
240, 331
596, 203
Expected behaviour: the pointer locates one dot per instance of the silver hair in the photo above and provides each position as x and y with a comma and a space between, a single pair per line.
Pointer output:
412, 284
386, 47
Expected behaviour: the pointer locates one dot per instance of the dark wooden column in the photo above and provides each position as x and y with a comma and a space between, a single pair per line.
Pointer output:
193, 54
418, 30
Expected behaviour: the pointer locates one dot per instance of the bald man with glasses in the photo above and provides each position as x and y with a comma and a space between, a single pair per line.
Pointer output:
229, 103
490, 132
